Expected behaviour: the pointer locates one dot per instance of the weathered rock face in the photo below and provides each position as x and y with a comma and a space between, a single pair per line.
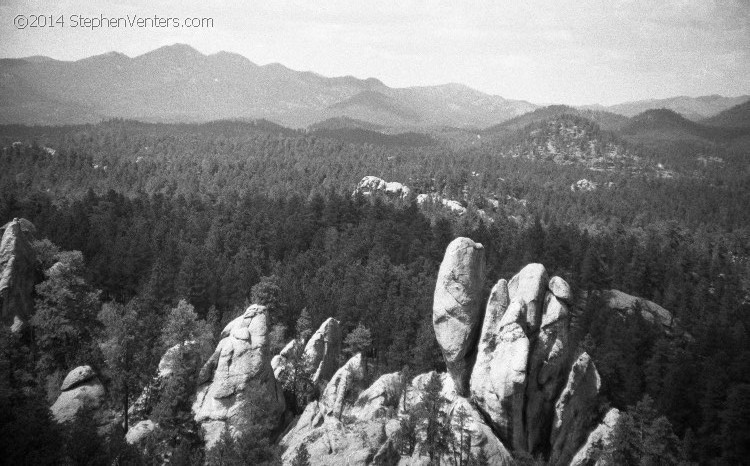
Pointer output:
456, 308
575, 410
17, 272
323, 350
280, 362
81, 389
598, 441
237, 383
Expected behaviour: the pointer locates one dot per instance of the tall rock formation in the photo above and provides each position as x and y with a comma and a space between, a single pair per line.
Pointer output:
323, 350
456, 308
17, 272
236, 385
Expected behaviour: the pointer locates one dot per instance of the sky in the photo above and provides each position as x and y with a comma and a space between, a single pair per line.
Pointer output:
550, 51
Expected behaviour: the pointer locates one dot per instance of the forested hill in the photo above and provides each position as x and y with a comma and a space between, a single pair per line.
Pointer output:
182, 226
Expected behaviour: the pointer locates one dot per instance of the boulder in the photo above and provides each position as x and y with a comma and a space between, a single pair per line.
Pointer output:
561, 289
456, 308
323, 350
575, 410
140, 431
17, 272
598, 441
236, 383
170, 359
81, 389
77, 376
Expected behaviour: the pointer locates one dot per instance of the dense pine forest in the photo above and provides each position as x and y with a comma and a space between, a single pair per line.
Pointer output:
168, 232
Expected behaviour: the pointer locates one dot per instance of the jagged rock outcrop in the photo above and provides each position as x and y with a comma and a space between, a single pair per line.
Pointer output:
321, 353
321, 429
81, 389
575, 410
450, 204
456, 308
17, 272
237, 384
598, 441
371, 185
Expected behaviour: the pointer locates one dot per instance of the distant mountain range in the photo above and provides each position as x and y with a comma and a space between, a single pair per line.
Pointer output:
179, 84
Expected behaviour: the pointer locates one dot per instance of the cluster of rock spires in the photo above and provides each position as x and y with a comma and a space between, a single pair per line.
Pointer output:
511, 364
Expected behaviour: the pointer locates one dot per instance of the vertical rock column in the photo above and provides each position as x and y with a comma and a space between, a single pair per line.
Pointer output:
456, 309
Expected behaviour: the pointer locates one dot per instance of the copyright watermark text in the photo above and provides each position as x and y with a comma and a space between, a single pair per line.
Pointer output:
109, 22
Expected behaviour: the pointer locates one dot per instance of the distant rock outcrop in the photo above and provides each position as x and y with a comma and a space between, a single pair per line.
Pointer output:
17, 272
372, 185
81, 389
237, 382
584, 185
653, 313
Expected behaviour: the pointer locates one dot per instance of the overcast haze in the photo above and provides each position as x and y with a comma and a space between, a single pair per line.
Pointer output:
546, 52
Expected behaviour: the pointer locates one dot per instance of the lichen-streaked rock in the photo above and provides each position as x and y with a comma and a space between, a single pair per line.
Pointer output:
237, 382
456, 308
17, 272
575, 410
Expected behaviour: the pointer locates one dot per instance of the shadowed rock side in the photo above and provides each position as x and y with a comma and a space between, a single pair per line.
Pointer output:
17, 273
237, 383
456, 308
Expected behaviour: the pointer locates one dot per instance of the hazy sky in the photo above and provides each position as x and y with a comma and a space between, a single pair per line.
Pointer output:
576, 52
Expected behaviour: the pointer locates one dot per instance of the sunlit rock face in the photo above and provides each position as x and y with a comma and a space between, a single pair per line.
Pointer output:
237, 384
372, 185
456, 310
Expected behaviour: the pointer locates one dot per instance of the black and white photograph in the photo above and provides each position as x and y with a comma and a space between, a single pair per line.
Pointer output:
390, 233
